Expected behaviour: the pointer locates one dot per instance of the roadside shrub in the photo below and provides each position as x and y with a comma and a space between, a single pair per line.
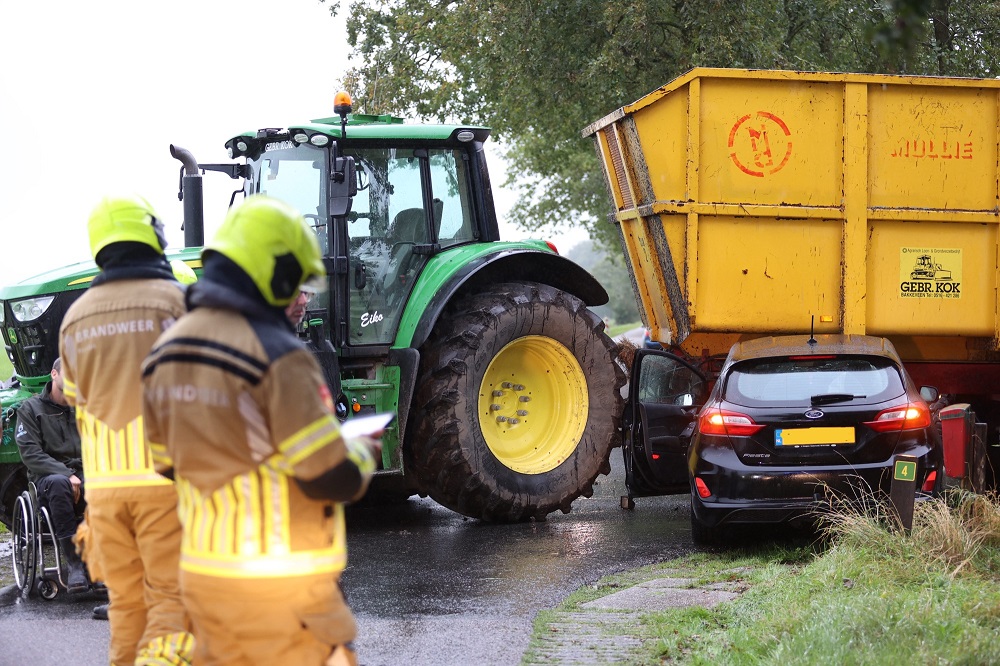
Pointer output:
958, 532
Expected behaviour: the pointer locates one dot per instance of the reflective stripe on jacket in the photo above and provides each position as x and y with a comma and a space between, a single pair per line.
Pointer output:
237, 409
104, 337
244, 530
116, 458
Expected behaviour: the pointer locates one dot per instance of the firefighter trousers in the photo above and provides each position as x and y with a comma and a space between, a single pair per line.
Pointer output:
300, 620
135, 536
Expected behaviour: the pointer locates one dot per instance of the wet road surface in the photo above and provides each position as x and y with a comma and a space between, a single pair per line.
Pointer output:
427, 586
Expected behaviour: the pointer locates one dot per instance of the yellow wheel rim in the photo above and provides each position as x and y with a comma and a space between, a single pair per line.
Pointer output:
533, 404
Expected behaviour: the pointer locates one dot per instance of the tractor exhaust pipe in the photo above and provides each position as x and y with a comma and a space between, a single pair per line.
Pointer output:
191, 194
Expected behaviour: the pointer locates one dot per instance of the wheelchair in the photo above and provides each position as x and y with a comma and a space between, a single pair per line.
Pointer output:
37, 559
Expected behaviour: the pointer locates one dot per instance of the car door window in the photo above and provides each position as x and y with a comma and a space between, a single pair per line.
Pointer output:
665, 380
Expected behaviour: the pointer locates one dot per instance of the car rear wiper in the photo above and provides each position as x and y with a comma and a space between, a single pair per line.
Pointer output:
829, 398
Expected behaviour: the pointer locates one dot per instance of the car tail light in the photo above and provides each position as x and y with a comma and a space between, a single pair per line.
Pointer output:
928, 486
905, 417
702, 489
717, 421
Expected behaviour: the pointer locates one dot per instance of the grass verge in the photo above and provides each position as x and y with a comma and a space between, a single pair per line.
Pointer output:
615, 331
866, 593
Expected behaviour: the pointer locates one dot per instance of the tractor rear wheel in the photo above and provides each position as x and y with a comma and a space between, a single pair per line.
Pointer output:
517, 406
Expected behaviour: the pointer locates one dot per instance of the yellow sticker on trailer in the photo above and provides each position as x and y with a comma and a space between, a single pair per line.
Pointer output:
813, 436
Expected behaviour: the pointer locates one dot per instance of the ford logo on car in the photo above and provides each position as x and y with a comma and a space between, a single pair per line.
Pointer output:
814, 414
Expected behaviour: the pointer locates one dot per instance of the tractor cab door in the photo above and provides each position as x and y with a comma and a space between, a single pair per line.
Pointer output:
665, 395
411, 203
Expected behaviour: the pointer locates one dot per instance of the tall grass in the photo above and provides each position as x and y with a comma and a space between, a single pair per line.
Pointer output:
866, 592
957, 533
877, 594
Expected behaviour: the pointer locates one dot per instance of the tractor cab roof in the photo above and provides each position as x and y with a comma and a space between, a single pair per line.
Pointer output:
363, 127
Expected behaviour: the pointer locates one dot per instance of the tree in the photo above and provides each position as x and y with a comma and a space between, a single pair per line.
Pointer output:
609, 269
539, 72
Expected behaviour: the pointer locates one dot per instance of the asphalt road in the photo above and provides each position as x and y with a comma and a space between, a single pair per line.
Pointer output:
427, 586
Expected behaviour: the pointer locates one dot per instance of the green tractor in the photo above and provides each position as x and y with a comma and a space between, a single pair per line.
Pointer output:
505, 385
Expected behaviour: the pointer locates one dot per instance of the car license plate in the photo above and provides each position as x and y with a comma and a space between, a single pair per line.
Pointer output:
812, 436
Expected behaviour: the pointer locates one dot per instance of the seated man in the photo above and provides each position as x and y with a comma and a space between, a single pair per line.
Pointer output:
49, 443
296, 310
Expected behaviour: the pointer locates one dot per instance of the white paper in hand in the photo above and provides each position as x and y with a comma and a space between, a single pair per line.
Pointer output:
365, 425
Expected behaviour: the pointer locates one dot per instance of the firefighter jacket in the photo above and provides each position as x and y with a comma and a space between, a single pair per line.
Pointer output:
104, 337
47, 437
237, 411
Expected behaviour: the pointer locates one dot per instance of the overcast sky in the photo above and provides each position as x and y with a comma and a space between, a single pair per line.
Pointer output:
92, 94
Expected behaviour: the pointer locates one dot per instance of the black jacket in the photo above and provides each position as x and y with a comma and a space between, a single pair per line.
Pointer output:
47, 437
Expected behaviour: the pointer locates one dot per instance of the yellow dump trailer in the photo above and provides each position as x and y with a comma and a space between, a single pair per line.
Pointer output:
758, 202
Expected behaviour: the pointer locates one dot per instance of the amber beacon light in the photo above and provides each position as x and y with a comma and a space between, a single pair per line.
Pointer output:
343, 105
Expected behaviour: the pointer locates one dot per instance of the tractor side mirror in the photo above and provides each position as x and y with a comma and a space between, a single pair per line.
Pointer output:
343, 186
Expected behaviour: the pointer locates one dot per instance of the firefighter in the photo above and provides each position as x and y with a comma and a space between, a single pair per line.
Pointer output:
185, 275
237, 411
133, 536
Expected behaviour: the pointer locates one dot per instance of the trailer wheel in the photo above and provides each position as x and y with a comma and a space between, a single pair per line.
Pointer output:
518, 404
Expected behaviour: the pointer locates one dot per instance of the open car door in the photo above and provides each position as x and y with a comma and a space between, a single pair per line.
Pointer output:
665, 395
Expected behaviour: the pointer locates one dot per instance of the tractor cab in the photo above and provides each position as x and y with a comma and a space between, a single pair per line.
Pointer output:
382, 198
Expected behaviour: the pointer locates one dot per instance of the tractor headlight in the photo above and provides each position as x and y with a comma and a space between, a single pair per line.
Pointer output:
29, 309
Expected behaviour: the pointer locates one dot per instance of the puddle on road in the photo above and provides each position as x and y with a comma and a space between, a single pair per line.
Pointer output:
6, 559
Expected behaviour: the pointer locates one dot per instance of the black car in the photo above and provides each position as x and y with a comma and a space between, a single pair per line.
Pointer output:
789, 422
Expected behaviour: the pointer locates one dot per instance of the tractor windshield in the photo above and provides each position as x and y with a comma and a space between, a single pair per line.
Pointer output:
411, 203
296, 175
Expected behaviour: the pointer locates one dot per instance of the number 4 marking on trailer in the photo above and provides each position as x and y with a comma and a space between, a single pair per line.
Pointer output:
905, 471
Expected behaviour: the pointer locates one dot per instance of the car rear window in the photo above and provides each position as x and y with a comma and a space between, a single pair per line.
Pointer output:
797, 381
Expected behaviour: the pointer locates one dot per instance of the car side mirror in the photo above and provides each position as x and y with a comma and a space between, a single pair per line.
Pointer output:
684, 400
929, 393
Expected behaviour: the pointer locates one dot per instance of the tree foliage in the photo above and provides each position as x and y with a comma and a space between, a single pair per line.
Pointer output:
609, 269
539, 72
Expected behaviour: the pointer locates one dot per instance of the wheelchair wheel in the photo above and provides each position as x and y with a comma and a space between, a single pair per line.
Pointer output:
48, 564
47, 589
24, 542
